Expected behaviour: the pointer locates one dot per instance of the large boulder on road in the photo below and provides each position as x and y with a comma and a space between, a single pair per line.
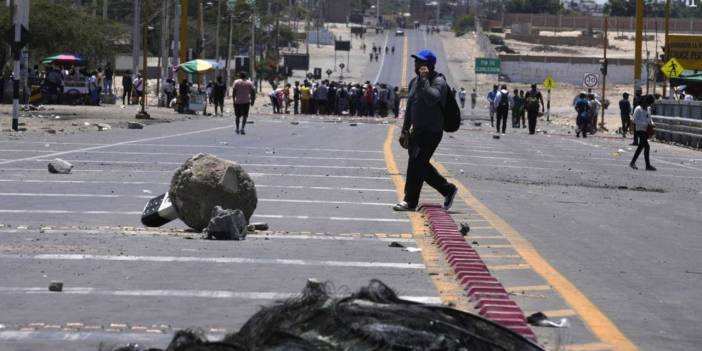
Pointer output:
205, 181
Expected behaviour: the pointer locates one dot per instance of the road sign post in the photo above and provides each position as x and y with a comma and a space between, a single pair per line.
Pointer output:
487, 65
672, 69
549, 84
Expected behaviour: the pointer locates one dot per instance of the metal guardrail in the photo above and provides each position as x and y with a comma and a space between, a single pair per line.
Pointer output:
682, 109
684, 131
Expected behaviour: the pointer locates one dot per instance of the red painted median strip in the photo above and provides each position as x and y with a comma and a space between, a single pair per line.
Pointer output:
490, 297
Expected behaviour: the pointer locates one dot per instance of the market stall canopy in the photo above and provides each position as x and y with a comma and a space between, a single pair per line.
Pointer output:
64, 59
197, 66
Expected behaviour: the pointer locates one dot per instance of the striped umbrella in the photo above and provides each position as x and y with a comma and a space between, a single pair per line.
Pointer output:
64, 59
197, 66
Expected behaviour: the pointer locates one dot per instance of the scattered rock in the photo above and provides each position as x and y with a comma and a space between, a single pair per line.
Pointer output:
353, 124
226, 224
134, 125
56, 286
205, 181
59, 166
496, 136
396, 244
464, 228
294, 123
103, 126
51, 131
477, 124
249, 122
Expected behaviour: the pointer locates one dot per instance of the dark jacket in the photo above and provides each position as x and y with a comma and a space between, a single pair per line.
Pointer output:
425, 101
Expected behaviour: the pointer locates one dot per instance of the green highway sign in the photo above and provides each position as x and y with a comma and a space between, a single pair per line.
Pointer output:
487, 65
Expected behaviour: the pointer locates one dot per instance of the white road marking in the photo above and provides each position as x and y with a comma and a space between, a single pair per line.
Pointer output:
227, 260
106, 162
113, 144
301, 187
113, 196
212, 294
382, 61
253, 174
274, 216
101, 337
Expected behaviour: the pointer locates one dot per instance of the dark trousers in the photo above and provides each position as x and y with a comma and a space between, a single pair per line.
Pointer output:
643, 145
419, 169
637, 140
296, 103
515, 118
502, 114
127, 96
626, 121
531, 118
241, 110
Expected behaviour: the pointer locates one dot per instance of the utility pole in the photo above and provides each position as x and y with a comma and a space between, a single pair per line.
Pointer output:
144, 71
163, 67
666, 50
135, 38
639, 38
201, 28
229, 52
183, 36
105, 4
21, 14
252, 60
604, 73
219, 16
175, 49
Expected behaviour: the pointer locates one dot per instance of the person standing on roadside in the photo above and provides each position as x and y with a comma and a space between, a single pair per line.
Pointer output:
184, 94
462, 97
305, 96
582, 120
127, 89
533, 100
139, 88
296, 97
491, 101
422, 131
218, 91
244, 95
642, 121
625, 113
473, 100
109, 74
502, 107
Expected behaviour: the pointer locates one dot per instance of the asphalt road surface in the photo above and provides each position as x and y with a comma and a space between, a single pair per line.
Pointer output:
563, 222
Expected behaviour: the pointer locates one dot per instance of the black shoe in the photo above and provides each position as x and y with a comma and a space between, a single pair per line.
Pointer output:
577, 135
404, 207
650, 168
633, 165
243, 132
448, 200
237, 131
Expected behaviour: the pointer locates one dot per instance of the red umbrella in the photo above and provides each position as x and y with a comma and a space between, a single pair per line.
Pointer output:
65, 59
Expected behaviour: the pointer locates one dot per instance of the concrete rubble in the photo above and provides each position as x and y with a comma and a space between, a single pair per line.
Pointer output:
226, 224
135, 125
205, 181
103, 126
59, 166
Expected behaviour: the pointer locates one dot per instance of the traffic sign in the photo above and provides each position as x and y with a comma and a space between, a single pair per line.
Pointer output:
487, 65
591, 80
549, 83
672, 68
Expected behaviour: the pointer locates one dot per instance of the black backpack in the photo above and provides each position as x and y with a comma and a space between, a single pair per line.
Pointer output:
504, 101
452, 113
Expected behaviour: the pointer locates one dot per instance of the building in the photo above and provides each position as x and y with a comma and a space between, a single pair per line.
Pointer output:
336, 10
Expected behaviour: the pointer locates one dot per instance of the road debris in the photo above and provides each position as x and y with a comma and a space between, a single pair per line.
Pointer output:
353, 124
257, 226
135, 125
496, 136
226, 224
396, 244
103, 126
412, 249
158, 211
541, 320
59, 166
56, 286
294, 123
464, 228
204, 181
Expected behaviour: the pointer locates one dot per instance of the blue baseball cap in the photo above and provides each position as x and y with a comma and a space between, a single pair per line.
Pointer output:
425, 55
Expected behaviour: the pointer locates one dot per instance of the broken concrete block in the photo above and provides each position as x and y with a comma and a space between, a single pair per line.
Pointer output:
59, 166
477, 124
257, 226
205, 181
496, 136
226, 224
56, 286
134, 125
294, 123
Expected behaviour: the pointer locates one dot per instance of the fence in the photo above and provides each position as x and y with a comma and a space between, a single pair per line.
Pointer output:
677, 25
679, 122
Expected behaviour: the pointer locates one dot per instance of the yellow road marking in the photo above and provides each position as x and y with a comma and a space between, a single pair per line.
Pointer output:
517, 289
500, 256
403, 74
595, 319
509, 267
500, 246
595, 346
445, 282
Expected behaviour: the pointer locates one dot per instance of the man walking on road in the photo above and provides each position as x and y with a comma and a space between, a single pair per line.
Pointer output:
491, 100
462, 97
502, 107
625, 113
243, 95
533, 100
473, 100
296, 98
642, 120
422, 131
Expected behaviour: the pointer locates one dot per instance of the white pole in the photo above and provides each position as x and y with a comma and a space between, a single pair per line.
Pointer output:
135, 38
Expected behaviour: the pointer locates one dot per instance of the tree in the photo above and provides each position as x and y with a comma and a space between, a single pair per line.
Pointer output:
534, 6
464, 24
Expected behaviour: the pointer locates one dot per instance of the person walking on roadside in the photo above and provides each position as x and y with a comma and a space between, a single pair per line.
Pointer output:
625, 113
244, 95
109, 74
218, 91
582, 120
516, 108
642, 120
491, 101
296, 97
127, 89
502, 107
533, 100
396, 102
638, 98
139, 87
93, 89
462, 97
522, 110
422, 131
